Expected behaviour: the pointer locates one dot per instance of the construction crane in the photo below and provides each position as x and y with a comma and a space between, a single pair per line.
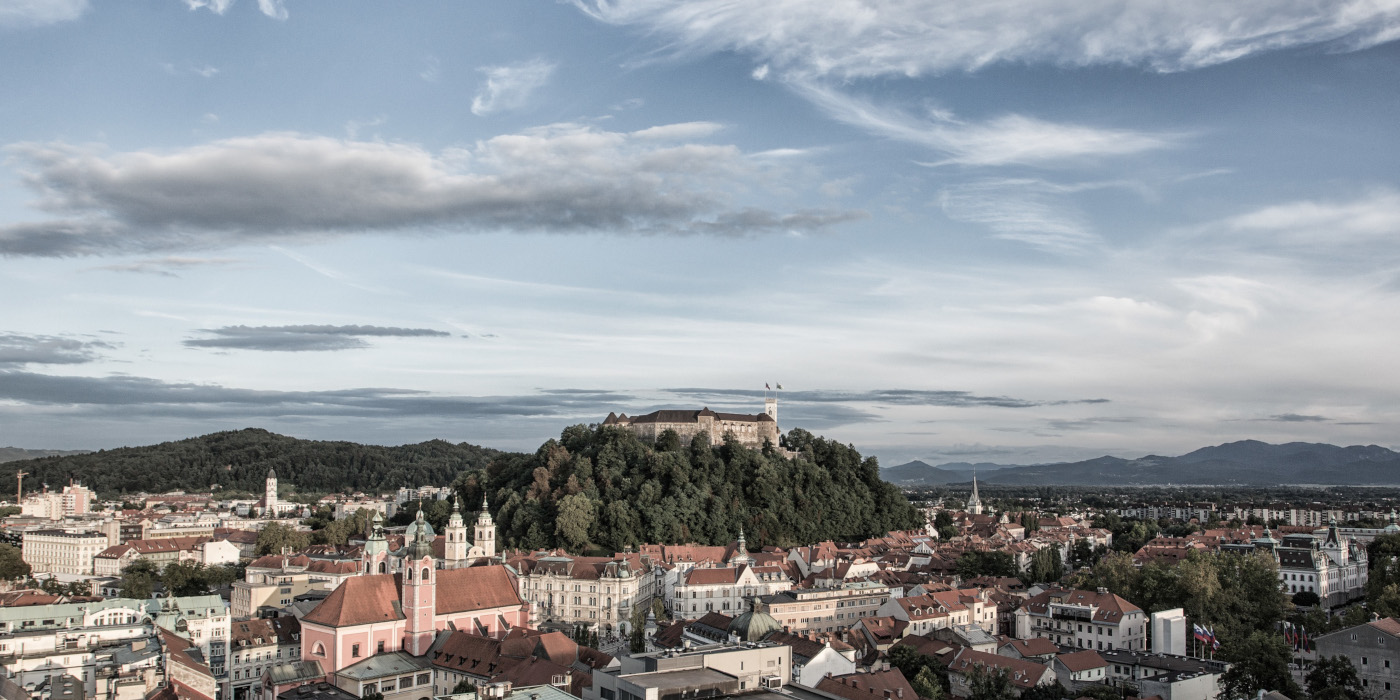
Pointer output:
19, 488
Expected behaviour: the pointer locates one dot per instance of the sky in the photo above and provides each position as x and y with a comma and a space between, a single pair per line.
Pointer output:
1010, 232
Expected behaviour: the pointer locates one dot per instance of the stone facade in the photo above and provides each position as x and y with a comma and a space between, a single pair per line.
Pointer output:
748, 429
1374, 651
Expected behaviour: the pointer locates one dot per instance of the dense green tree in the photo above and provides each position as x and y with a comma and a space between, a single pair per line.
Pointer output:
1045, 566
1334, 678
274, 537
1048, 691
139, 579
925, 685
12, 565
575, 517
1258, 662
990, 684
973, 564
1306, 599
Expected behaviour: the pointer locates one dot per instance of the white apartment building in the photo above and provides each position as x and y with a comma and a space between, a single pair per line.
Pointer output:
725, 589
55, 551
1096, 620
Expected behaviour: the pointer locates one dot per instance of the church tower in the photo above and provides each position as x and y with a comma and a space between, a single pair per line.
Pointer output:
375, 559
419, 596
485, 535
455, 547
974, 503
270, 494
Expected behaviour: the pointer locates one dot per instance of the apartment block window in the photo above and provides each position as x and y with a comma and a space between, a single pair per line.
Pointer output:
355, 650
379, 648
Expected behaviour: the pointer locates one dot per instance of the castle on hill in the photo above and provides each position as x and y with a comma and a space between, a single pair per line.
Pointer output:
748, 429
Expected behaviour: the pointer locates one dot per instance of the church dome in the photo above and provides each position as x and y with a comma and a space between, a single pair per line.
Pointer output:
271, 473
413, 527
754, 625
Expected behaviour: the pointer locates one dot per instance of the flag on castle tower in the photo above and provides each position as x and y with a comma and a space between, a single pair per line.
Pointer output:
780, 386
765, 386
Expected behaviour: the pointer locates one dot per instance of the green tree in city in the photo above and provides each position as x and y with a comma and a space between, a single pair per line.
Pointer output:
1334, 678
139, 579
1258, 662
12, 565
275, 537
990, 684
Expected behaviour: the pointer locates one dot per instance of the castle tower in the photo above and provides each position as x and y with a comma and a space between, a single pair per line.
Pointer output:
974, 502
419, 595
770, 406
484, 536
455, 547
270, 494
375, 559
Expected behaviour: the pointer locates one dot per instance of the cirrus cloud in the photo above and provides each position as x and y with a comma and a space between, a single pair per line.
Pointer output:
856, 39
558, 178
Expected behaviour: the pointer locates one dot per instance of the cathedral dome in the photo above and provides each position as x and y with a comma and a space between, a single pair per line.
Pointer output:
754, 625
413, 527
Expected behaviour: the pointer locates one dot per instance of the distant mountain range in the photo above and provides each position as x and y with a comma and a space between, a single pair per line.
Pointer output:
11, 454
1243, 463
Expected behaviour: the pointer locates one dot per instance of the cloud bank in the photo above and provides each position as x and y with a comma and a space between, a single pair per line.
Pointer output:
37, 13
17, 349
303, 338
561, 178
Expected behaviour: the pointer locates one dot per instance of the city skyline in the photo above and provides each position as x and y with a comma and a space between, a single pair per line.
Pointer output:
1020, 234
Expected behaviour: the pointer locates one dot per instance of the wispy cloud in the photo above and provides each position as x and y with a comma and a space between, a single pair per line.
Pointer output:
432, 69
145, 396
1297, 418
17, 349
902, 397
851, 39
303, 338
218, 7
272, 8
1372, 216
165, 266
1006, 140
559, 178
1029, 211
37, 13
510, 86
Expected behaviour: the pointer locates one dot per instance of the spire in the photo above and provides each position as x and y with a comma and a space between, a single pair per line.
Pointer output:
974, 502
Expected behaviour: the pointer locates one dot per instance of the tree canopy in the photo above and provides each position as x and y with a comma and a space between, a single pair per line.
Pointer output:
603, 488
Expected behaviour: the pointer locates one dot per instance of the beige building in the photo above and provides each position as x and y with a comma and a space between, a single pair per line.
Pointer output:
725, 589
597, 592
826, 609
748, 429
62, 551
74, 499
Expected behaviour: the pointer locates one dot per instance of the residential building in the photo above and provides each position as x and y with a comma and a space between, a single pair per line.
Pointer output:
826, 609
941, 609
1096, 620
255, 646
597, 592
1374, 651
55, 551
1170, 676
1022, 673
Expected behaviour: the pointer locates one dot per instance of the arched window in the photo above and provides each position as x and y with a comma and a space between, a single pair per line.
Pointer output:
318, 650
383, 568
425, 573
408, 573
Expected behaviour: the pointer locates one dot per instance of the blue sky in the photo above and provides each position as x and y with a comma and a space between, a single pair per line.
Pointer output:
1008, 231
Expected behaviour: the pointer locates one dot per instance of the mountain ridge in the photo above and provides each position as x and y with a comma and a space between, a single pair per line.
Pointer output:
1238, 463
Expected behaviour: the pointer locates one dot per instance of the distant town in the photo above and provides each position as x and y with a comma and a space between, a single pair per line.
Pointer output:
411, 594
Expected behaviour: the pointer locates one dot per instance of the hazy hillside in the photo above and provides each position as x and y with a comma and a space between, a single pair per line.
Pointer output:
1247, 462
10, 454
238, 460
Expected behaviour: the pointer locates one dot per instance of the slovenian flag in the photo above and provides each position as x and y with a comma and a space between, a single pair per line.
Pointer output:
1199, 632
1214, 640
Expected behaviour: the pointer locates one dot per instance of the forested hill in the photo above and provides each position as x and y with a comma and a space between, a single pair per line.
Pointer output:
238, 461
602, 488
